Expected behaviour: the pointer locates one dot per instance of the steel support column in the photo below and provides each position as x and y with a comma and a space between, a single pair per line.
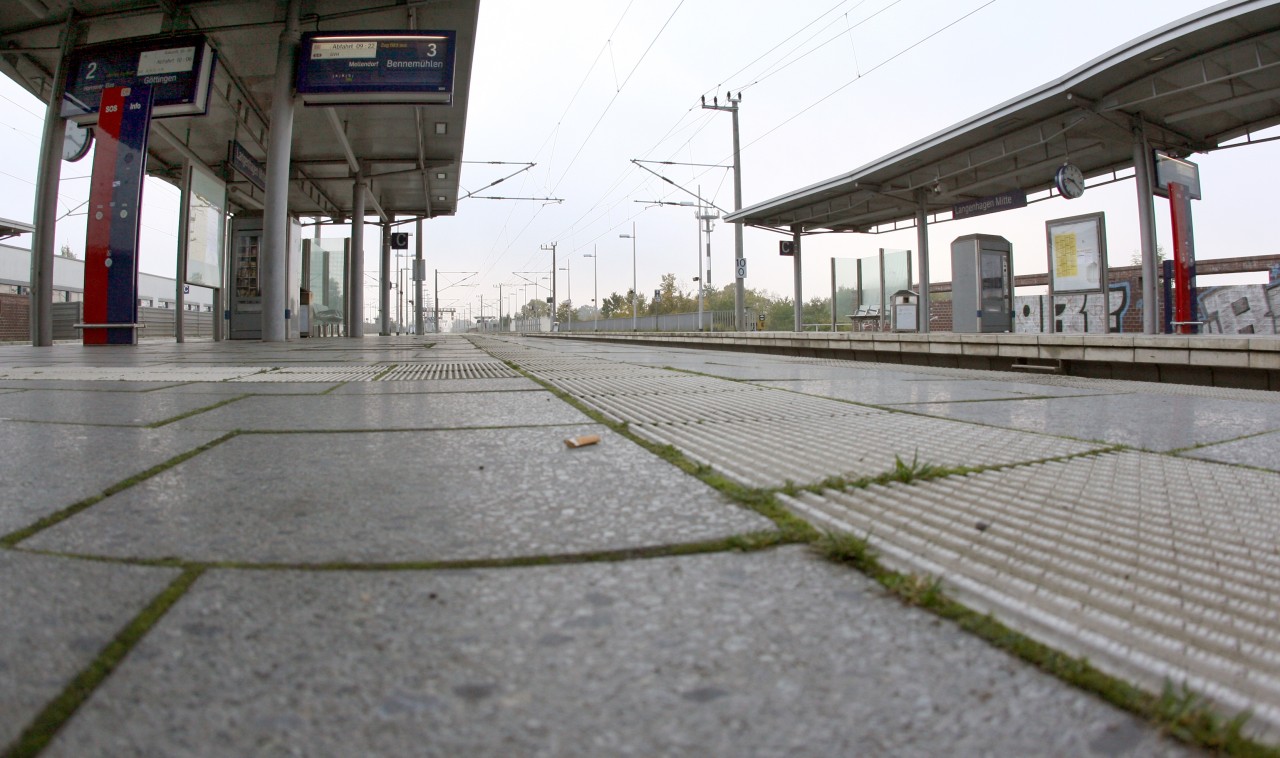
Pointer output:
46, 211
796, 229
274, 265
418, 272
355, 277
384, 282
1146, 228
922, 241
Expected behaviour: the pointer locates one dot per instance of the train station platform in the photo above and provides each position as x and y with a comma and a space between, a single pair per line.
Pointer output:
385, 546
1244, 361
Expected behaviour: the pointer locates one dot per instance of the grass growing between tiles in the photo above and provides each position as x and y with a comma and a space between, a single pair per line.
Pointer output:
13, 538
1178, 711
44, 727
793, 528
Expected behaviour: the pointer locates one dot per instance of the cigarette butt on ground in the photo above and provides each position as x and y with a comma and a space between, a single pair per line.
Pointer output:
583, 441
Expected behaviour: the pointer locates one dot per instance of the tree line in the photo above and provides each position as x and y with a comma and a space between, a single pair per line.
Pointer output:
672, 296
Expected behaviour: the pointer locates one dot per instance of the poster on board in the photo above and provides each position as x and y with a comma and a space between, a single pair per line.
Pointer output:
1077, 253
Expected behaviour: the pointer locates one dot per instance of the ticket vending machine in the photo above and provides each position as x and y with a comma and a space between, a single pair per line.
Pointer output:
981, 284
245, 303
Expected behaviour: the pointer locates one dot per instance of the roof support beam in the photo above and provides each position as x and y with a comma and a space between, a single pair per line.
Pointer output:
353, 163
340, 132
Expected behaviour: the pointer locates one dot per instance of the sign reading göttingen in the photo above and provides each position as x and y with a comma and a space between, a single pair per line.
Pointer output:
376, 67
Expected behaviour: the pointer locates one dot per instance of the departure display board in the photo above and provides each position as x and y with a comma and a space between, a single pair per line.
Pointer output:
176, 69
376, 67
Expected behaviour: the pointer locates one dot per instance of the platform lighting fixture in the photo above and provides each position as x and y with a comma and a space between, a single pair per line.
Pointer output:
1162, 55
441, 176
441, 199
441, 127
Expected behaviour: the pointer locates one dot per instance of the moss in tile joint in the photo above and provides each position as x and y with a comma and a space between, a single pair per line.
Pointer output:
916, 471
1180, 712
13, 538
197, 411
45, 726
762, 501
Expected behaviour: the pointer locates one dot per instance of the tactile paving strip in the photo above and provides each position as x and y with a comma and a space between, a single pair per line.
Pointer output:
463, 370
349, 373
1153, 567
807, 451
732, 405
664, 383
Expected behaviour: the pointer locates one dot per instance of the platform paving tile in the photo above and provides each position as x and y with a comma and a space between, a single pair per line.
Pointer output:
56, 615
118, 385
666, 383
150, 373
776, 452
1150, 422
1153, 567
410, 387
1261, 451
87, 460
767, 654
383, 411
117, 409
449, 495
876, 388
762, 404
230, 389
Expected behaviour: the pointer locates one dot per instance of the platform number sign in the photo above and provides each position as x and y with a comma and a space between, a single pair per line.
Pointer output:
399, 241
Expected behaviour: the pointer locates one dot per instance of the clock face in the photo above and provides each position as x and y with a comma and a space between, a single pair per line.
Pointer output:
76, 143
1070, 181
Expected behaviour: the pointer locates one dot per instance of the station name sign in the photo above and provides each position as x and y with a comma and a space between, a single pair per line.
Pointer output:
177, 69
376, 67
246, 165
994, 204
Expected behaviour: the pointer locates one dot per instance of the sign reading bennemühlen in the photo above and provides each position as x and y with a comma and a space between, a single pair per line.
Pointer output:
376, 67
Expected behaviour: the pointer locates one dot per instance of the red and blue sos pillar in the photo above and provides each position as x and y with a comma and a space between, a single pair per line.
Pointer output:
115, 199
1184, 260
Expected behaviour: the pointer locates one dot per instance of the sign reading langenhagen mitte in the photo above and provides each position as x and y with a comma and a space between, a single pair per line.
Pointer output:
994, 204
376, 67
177, 69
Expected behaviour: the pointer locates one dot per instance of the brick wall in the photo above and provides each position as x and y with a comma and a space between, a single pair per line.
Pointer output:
15, 318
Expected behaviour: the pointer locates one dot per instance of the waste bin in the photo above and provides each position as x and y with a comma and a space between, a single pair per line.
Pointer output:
905, 306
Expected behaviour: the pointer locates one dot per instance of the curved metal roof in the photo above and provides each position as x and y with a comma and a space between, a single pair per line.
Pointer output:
1195, 84
413, 167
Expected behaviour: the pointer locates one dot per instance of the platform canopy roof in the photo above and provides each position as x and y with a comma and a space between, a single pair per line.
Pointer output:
1196, 84
412, 152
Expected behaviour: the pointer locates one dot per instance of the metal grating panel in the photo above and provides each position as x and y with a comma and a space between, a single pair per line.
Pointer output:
350, 373
1153, 567
458, 370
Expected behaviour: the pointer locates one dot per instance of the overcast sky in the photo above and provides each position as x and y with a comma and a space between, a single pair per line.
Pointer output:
583, 86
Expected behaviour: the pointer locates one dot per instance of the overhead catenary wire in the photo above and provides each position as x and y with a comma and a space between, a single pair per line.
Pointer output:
849, 83
620, 191
614, 99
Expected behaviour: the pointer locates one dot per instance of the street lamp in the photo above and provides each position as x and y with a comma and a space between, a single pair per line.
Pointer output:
595, 286
632, 237
568, 281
